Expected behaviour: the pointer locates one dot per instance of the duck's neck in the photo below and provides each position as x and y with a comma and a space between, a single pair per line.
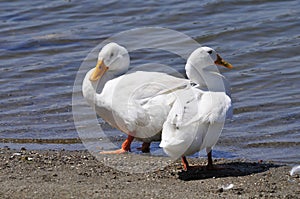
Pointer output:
209, 78
91, 88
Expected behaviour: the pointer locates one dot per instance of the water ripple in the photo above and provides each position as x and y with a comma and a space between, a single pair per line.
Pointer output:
43, 45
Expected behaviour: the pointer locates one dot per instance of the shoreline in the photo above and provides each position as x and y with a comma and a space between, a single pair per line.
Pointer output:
78, 174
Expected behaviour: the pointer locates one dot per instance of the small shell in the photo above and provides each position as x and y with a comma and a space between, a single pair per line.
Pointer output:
295, 170
227, 187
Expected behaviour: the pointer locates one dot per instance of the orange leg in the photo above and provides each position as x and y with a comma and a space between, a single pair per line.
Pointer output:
125, 147
187, 167
185, 163
209, 165
145, 147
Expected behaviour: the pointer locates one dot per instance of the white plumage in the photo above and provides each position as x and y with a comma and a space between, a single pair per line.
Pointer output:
196, 118
144, 104
194, 122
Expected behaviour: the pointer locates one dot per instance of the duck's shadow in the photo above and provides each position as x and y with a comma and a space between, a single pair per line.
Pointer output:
232, 169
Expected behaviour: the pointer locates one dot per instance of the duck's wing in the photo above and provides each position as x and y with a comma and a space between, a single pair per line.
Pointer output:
194, 122
141, 100
179, 130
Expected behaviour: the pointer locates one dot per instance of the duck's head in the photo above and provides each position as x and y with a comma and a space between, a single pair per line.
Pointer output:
112, 58
203, 56
201, 63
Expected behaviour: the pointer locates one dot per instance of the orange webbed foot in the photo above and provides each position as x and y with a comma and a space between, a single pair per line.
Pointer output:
124, 149
118, 151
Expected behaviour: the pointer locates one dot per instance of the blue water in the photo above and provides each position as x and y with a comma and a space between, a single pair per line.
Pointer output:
44, 43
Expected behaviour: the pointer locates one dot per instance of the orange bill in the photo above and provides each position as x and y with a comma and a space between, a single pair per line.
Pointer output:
221, 62
99, 71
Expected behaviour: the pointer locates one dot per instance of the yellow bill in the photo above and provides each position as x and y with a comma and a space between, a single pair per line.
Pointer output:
221, 62
99, 71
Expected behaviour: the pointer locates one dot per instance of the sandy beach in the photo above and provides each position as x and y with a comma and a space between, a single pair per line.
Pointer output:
78, 174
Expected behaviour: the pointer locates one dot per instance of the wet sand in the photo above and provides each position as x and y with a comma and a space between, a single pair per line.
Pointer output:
77, 174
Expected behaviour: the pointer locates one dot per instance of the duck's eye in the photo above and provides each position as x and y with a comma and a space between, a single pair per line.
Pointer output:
111, 54
209, 52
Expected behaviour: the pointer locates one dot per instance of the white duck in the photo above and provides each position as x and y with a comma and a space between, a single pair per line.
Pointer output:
196, 119
137, 103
